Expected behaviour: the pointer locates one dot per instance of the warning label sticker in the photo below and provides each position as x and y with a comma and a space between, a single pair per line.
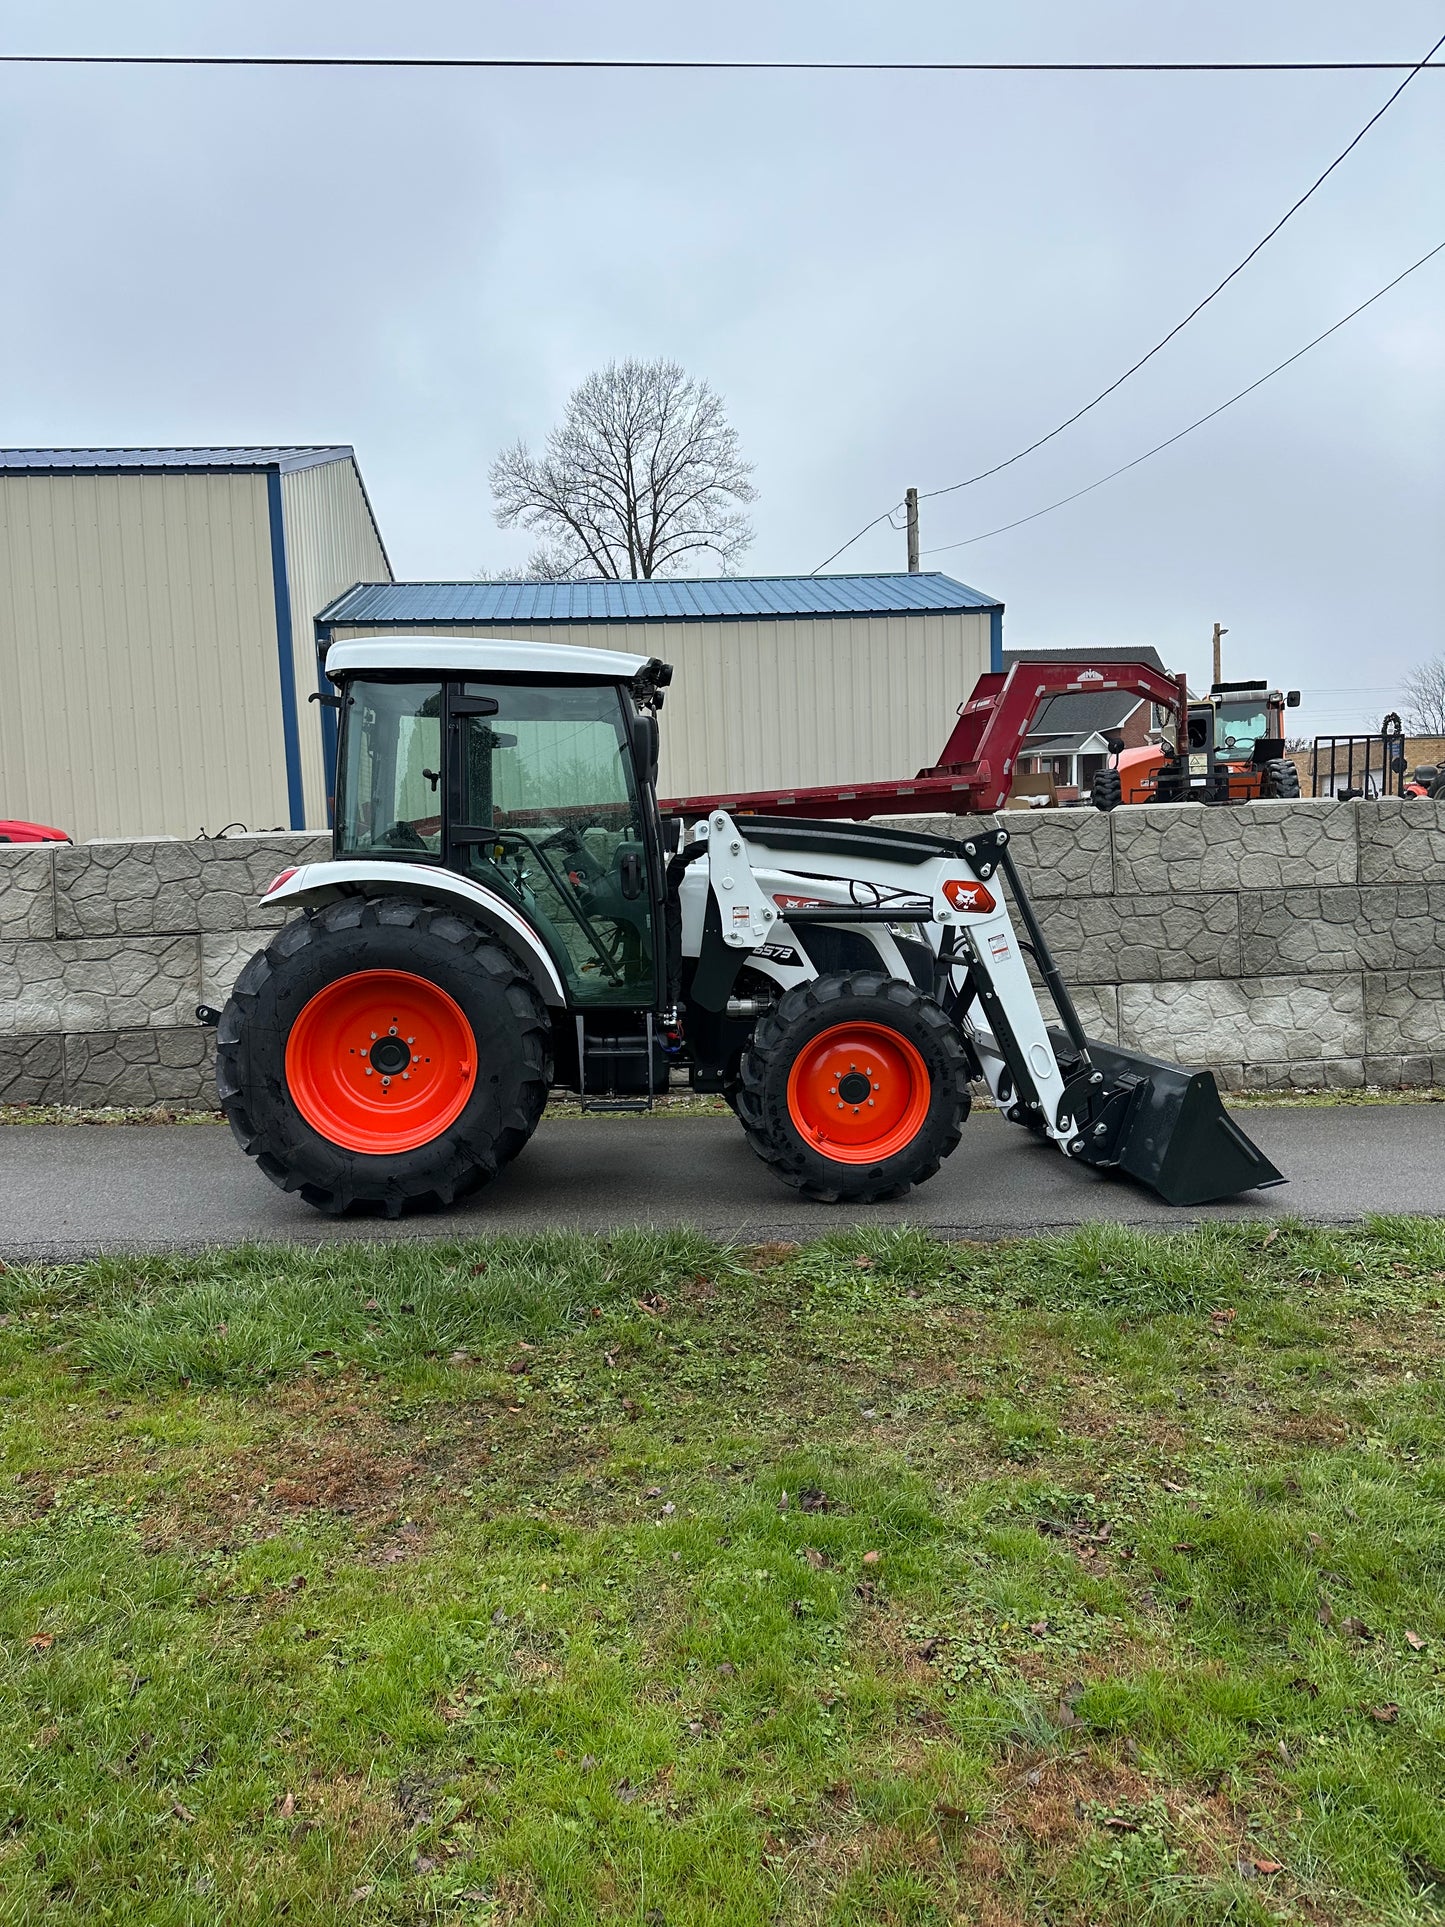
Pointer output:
998, 944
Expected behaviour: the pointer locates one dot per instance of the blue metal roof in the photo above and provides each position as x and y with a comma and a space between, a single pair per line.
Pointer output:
680, 599
309, 455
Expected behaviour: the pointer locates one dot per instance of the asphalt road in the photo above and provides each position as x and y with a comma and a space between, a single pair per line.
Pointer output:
70, 1191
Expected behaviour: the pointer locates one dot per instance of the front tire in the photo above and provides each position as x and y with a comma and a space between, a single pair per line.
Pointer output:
1281, 780
854, 1087
382, 1052
1108, 789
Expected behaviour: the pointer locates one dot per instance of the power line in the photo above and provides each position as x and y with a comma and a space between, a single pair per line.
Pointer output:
952, 487
568, 64
1160, 446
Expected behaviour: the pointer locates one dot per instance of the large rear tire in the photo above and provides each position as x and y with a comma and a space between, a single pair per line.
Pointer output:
854, 1087
382, 1052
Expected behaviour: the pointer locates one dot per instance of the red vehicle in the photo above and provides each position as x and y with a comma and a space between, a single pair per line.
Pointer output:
12, 831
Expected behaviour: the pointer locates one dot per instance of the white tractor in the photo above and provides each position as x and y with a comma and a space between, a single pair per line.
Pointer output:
508, 911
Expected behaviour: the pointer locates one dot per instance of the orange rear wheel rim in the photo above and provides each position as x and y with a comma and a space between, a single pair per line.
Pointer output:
858, 1093
381, 1061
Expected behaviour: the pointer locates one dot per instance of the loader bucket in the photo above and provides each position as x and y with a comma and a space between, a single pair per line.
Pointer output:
1174, 1134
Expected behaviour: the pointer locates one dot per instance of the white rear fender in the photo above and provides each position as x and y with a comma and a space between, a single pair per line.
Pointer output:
314, 883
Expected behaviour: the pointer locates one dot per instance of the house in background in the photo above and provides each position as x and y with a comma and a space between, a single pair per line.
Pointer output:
1071, 734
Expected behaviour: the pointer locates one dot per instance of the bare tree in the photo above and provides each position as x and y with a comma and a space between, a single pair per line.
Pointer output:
642, 472
1424, 689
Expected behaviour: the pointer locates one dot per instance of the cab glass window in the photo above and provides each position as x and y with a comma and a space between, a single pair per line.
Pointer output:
389, 800
1242, 724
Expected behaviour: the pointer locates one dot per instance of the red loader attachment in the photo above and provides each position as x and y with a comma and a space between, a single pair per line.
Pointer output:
974, 773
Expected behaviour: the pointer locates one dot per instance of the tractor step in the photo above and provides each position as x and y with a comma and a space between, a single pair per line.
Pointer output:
600, 1059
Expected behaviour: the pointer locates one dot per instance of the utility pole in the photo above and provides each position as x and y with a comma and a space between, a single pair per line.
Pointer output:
910, 500
1219, 631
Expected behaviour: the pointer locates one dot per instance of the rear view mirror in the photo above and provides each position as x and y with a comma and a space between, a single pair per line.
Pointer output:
1114, 745
1291, 699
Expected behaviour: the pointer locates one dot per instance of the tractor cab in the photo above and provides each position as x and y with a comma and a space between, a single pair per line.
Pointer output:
1249, 721
534, 779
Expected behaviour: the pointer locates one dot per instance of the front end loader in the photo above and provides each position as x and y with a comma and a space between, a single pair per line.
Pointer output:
507, 912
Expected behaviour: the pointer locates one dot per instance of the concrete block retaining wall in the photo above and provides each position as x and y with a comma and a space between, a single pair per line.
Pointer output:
107, 948
1280, 944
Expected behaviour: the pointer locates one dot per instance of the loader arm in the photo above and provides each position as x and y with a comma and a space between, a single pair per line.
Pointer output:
1099, 1103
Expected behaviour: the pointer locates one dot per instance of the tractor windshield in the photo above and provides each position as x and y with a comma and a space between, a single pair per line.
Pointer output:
1241, 724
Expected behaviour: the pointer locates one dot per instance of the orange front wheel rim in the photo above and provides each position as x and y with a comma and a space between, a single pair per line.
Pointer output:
858, 1093
381, 1061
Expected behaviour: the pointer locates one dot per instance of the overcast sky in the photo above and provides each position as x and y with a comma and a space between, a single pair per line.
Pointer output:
891, 279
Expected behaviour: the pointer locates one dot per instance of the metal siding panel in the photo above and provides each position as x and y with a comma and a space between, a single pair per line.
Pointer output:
135, 652
331, 543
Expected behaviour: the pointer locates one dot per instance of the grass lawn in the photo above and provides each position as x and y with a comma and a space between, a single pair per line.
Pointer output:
1081, 1579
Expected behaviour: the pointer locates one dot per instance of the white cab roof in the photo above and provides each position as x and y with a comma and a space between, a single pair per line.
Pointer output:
478, 656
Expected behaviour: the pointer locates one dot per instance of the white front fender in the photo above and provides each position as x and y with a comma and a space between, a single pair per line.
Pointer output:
352, 876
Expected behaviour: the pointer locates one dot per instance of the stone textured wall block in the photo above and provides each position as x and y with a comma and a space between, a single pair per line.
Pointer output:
142, 1067
160, 886
99, 984
1252, 846
1061, 853
1405, 1013
1143, 939
31, 1070
1254, 1020
1329, 1074
1097, 1005
222, 959
1402, 839
1383, 927
27, 893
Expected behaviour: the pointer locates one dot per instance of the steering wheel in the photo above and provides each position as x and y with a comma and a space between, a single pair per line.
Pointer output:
539, 846
402, 836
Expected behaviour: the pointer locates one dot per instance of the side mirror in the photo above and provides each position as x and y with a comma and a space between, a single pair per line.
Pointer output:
1397, 763
646, 742
1114, 745
1291, 699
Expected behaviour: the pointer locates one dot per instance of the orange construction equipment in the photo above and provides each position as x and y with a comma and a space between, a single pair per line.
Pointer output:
1235, 754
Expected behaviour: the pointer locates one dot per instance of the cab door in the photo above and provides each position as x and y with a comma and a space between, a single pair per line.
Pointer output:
545, 806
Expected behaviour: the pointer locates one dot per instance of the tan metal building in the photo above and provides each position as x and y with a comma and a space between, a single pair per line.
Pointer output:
779, 680
156, 641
